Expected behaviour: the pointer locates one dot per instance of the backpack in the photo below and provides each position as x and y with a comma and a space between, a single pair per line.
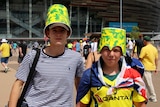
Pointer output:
135, 64
86, 49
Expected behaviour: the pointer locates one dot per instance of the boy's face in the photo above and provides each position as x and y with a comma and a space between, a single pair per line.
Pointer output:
57, 35
111, 57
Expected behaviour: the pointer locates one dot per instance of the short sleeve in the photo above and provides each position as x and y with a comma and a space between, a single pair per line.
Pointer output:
24, 68
86, 98
84, 87
137, 97
80, 67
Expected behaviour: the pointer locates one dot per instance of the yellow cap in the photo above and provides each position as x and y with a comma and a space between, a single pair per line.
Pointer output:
112, 37
58, 16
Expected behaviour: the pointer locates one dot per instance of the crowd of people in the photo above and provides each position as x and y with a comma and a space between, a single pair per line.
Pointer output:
84, 46
9, 49
104, 80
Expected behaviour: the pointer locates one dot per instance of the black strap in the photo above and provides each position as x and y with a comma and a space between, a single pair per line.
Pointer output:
29, 78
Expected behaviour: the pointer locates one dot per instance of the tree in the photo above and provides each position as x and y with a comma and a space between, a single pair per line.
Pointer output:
135, 32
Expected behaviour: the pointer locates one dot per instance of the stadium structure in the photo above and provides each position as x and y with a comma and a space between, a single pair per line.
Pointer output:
25, 19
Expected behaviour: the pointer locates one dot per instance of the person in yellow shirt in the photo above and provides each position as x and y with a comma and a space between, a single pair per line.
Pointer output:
111, 82
5, 53
149, 58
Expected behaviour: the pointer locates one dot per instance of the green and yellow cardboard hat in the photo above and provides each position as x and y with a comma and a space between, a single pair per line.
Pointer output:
57, 16
112, 37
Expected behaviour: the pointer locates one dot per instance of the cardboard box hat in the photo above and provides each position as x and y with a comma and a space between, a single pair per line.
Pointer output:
58, 16
112, 37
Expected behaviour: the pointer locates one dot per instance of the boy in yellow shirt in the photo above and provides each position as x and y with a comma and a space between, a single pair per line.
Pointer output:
111, 82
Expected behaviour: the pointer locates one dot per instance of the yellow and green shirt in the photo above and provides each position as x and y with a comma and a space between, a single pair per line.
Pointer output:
122, 97
126, 88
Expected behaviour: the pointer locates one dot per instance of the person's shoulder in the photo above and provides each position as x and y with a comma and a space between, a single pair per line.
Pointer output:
86, 45
90, 72
32, 52
87, 72
156, 50
2, 44
153, 46
20, 44
72, 52
148, 47
145, 47
138, 41
131, 72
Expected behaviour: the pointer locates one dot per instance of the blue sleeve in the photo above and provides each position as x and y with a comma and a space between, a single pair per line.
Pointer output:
84, 85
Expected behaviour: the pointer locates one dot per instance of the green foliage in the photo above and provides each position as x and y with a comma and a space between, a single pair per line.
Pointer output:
135, 32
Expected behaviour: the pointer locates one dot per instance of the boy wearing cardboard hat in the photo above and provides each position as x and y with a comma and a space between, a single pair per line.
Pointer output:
111, 82
57, 67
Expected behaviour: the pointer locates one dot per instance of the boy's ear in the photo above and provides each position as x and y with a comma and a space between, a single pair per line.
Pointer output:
47, 33
68, 33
